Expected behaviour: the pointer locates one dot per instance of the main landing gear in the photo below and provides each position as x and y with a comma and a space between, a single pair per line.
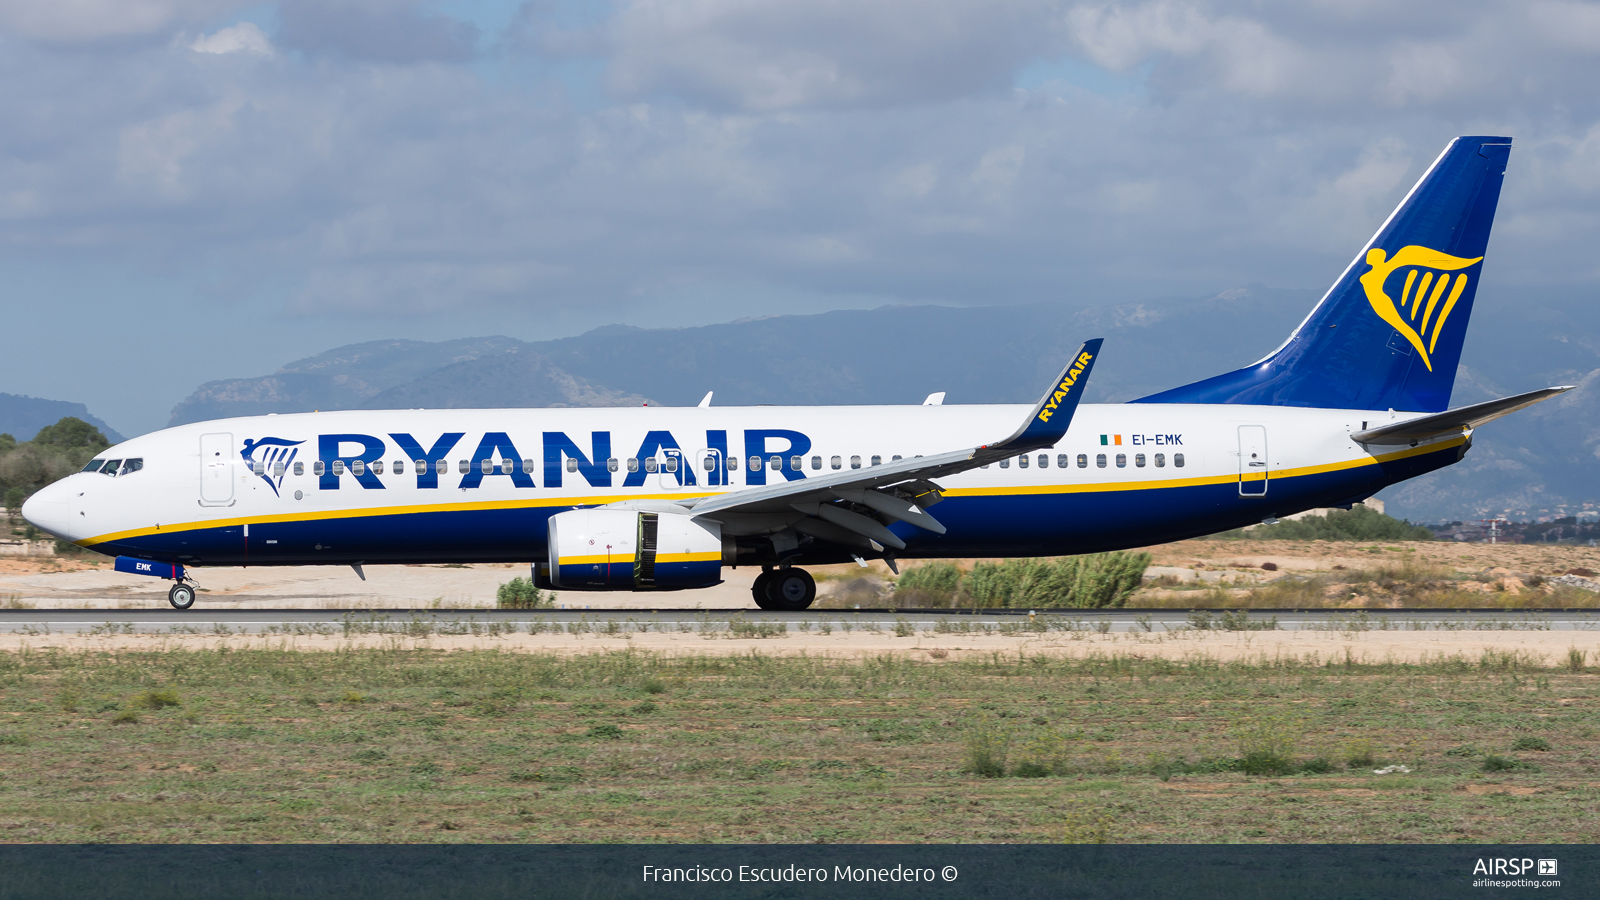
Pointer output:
785, 590
181, 596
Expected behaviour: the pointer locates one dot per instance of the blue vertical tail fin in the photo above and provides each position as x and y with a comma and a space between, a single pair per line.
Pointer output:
1388, 334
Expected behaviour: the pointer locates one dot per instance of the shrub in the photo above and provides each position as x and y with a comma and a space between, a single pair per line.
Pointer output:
1356, 524
987, 746
519, 593
1358, 754
1090, 581
1494, 762
605, 732
1529, 742
1082, 826
126, 717
933, 585
653, 686
156, 699
1266, 745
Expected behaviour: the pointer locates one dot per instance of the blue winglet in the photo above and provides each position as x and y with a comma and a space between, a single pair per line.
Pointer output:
1053, 413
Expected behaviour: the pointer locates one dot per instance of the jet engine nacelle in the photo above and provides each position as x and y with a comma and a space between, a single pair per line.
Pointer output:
629, 550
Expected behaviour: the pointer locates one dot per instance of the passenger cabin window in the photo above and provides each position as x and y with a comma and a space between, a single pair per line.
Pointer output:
877, 460
1061, 461
1161, 460
377, 467
711, 464
816, 463
733, 464
129, 466
316, 468
421, 464
650, 465
896, 458
441, 466
357, 467
1005, 463
1177, 460
300, 468
485, 466
672, 464
796, 463
257, 467
464, 466
775, 463
277, 469
836, 462
572, 464
1138, 460
1022, 461
399, 467
1044, 461
507, 466
755, 463
338, 467
633, 464
1122, 460
611, 465
1083, 461
855, 462
1100, 460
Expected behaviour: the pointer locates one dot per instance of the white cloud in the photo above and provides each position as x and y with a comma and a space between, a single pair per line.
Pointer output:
73, 21
244, 37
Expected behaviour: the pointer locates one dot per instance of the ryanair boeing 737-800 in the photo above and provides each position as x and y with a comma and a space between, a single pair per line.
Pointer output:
654, 498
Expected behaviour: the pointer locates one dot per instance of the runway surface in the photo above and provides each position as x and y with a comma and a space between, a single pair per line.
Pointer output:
458, 621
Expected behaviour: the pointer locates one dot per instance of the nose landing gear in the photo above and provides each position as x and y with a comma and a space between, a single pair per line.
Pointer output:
784, 590
181, 596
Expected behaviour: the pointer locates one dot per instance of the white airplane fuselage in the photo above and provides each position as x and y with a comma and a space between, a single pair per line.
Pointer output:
1134, 475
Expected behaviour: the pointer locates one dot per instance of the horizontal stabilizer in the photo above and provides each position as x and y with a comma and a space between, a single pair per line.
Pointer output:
1453, 421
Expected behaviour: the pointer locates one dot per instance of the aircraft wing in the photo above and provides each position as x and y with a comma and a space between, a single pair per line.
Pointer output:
1453, 421
839, 506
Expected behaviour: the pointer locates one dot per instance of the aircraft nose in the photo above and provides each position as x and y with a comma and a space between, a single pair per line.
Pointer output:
49, 512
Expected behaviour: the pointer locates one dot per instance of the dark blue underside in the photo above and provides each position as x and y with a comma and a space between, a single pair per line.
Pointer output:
998, 525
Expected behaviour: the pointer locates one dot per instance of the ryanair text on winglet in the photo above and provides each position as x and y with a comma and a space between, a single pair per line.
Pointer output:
1065, 386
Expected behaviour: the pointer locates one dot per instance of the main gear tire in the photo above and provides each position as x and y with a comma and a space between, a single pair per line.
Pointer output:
790, 590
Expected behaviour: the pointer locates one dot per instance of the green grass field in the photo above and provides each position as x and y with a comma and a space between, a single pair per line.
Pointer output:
418, 745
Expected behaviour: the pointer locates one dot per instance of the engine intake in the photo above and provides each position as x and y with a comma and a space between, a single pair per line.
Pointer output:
628, 550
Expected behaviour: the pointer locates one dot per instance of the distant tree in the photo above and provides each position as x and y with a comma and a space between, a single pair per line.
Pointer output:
72, 433
56, 452
1357, 524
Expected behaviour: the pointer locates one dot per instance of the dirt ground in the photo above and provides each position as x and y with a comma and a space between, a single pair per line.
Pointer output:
89, 582
1534, 648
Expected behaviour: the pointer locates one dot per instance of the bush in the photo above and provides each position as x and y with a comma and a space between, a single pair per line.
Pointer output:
933, 585
987, 746
606, 732
1494, 762
1266, 746
156, 699
1530, 743
519, 593
1091, 581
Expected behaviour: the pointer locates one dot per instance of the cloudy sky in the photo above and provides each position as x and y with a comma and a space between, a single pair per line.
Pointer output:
197, 189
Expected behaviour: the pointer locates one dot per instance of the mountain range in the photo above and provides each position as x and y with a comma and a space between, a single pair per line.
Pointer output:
1538, 463
22, 417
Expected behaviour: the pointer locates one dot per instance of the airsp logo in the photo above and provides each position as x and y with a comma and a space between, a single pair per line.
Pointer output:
1427, 282
1501, 866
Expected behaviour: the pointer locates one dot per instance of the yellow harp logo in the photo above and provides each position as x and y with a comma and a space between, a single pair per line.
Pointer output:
1427, 282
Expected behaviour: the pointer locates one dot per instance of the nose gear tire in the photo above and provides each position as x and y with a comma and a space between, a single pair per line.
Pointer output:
181, 596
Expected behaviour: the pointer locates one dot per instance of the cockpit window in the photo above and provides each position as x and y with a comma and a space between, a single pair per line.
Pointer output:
93, 466
129, 466
111, 467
